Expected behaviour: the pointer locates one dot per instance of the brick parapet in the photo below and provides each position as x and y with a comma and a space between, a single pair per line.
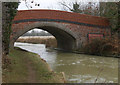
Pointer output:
61, 15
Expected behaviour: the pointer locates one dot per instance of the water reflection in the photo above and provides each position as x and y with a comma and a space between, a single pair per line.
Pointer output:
78, 68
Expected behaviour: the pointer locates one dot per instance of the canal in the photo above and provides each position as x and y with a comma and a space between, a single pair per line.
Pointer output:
78, 68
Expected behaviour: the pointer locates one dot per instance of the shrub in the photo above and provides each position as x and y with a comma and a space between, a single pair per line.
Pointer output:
104, 47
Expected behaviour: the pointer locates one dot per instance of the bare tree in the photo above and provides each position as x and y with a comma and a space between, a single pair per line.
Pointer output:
30, 3
90, 8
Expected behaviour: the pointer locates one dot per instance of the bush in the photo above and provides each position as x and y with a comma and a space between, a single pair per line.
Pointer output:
102, 47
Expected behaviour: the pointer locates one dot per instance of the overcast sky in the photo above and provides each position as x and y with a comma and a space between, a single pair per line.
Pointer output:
44, 4
47, 4
52, 4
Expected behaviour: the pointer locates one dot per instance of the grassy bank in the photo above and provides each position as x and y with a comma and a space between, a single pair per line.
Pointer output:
49, 41
25, 67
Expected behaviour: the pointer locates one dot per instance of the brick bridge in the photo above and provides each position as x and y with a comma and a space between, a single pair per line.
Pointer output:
71, 30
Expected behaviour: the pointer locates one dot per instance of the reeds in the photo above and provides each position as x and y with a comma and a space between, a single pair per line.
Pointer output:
49, 41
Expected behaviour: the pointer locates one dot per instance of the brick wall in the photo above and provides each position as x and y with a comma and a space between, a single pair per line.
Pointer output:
79, 26
62, 15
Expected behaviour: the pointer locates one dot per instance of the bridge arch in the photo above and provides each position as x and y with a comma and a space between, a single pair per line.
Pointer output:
71, 30
66, 39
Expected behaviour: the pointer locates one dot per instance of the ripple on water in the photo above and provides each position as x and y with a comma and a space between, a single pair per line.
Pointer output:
73, 63
86, 79
60, 64
78, 61
74, 80
61, 60
94, 61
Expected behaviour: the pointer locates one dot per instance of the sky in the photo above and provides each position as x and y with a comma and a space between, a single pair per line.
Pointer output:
44, 4
47, 4
52, 4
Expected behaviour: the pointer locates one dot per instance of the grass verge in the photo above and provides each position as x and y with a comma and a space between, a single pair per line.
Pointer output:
27, 67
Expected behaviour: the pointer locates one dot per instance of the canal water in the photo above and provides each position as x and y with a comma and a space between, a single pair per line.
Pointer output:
78, 68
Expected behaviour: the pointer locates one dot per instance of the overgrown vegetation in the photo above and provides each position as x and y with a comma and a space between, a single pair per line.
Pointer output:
9, 10
110, 11
26, 67
103, 47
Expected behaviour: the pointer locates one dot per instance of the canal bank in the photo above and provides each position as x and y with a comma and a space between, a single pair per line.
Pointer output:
78, 68
26, 67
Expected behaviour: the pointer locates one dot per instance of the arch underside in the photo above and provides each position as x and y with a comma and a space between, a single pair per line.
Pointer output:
66, 39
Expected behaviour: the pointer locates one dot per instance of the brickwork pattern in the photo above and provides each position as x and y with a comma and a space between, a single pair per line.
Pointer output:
62, 15
74, 24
